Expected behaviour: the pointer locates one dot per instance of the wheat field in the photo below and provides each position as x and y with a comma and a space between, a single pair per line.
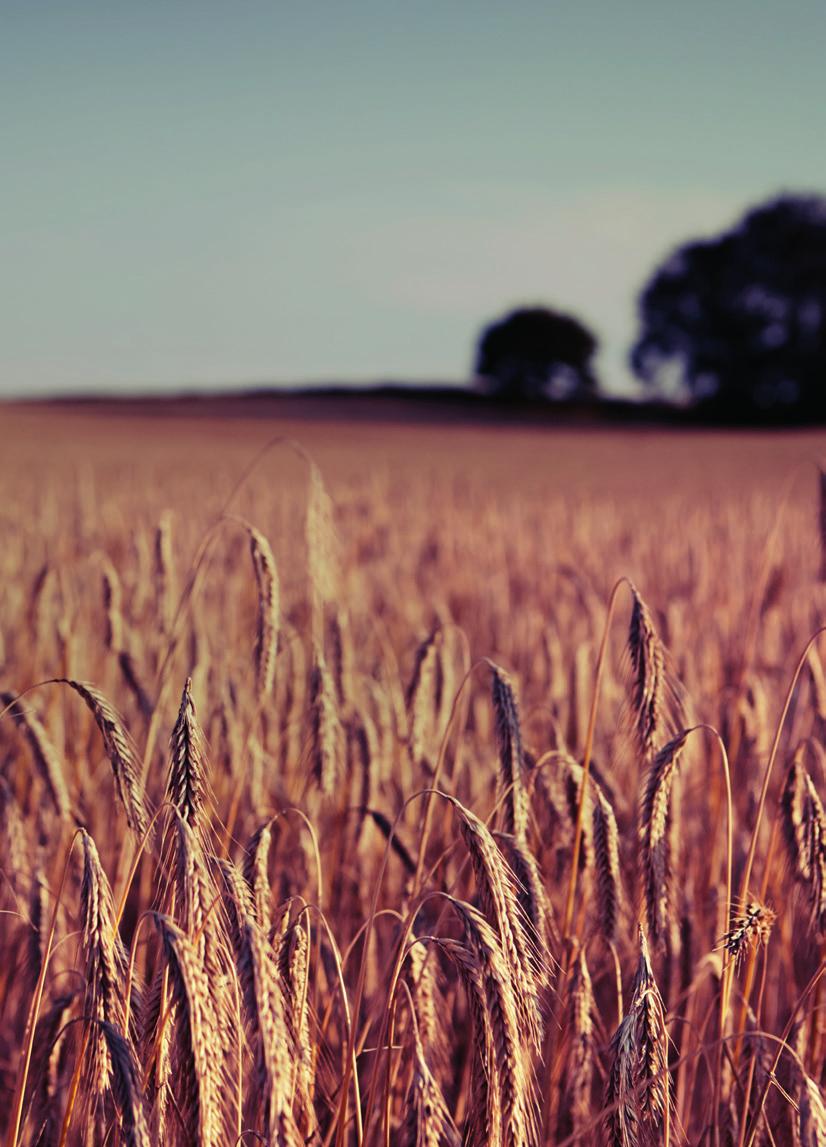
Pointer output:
370, 783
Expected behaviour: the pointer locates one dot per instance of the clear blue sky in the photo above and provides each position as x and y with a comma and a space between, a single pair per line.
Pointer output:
205, 193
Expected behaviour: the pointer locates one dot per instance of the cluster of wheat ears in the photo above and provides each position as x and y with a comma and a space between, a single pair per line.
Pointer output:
284, 871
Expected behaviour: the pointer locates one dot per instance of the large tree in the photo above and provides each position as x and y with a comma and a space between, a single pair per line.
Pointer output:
537, 353
739, 321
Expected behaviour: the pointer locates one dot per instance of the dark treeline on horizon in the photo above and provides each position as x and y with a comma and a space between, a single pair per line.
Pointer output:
730, 328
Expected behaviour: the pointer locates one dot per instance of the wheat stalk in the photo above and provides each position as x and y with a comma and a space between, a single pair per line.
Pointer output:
637, 1092
188, 785
325, 727
125, 766
164, 572
509, 740
804, 827
500, 904
655, 851
113, 606
199, 1094
750, 929
126, 1087
606, 865
580, 1064
812, 1115
44, 754
105, 961
507, 1039
269, 612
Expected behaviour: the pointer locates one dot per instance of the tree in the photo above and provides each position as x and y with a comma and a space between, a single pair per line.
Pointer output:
537, 353
739, 321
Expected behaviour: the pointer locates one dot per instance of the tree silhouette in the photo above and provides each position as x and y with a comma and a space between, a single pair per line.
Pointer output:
739, 321
534, 353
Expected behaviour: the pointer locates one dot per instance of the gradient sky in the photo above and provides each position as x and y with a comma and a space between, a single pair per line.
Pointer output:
205, 193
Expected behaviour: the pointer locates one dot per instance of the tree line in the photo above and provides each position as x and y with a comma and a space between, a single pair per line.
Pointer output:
733, 326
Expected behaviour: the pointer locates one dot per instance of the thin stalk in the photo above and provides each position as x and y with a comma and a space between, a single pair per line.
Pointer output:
341, 1117
744, 887
350, 1062
73, 1088
783, 1045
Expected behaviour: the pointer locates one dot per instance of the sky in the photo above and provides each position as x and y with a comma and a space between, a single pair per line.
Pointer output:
209, 194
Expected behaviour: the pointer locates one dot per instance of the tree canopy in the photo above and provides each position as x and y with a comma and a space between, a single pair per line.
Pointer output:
534, 352
738, 321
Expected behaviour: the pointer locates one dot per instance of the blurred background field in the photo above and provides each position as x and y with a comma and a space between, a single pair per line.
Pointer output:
405, 437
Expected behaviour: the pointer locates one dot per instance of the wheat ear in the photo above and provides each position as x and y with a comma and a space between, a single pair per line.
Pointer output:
125, 766
44, 754
188, 783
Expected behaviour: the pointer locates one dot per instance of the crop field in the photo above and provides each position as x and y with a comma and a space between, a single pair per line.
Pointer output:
375, 782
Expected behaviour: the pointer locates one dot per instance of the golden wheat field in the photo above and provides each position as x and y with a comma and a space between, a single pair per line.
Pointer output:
372, 783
